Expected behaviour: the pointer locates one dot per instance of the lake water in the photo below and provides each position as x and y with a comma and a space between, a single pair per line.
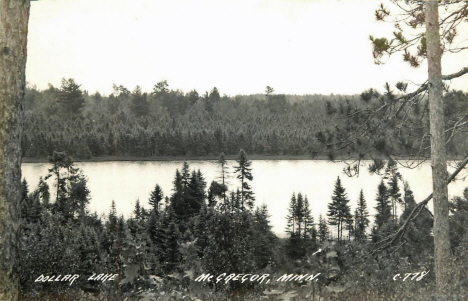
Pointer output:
273, 184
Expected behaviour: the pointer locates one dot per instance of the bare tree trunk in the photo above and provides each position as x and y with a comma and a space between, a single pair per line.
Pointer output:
438, 161
14, 17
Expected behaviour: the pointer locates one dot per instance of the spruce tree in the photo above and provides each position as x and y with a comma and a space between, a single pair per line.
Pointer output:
244, 174
418, 232
156, 229
339, 210
299, 215
137, 210
36, 208
291, 217
171, 242
223, 164
361, 218
139, 104
235, 200
71, 99
310, 233
43, 189
323, 232
349, 226
26, 201
156, 197
393, 190
113, 216
383, 207
185, 174
177, 197
201, 231
263, 245
152, 227
195, 195
408, 197
300, 227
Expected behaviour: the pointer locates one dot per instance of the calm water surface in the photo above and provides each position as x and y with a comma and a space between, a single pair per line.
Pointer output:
274, 182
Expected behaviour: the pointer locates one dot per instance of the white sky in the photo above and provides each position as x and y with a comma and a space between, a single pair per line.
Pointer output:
239, 46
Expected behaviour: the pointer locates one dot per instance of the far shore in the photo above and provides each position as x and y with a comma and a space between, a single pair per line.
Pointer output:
181, 158
199, 158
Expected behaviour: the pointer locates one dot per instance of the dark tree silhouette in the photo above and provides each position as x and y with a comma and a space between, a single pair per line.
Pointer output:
71, 99
338, 209
244, 174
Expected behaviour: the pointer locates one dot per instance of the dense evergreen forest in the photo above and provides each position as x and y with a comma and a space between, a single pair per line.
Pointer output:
173, 238
173, 123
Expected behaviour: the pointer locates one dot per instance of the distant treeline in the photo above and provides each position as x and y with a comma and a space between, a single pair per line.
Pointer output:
172, 123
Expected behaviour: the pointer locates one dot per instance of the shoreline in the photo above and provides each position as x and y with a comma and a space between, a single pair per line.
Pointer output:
204, 158
180, 158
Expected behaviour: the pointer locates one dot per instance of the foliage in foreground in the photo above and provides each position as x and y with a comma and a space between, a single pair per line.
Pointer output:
158, 253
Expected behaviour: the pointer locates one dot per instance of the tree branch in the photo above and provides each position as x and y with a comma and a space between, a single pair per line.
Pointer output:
389, 240
423, 87
455, 75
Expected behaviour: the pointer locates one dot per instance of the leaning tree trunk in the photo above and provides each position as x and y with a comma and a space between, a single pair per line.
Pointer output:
438, 161
14, 16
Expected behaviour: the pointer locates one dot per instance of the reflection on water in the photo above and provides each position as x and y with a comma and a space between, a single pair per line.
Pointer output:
273, 184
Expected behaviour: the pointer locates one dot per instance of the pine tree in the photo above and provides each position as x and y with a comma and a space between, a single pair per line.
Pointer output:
269, 90
215, 191
244, 174
59, 161
160, 89
14, 24
361, 218
72, 194
78, 194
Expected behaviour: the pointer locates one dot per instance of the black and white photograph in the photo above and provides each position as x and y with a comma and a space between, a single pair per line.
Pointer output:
233, 150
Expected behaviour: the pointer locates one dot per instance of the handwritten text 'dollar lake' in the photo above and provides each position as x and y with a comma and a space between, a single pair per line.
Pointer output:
72, 277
